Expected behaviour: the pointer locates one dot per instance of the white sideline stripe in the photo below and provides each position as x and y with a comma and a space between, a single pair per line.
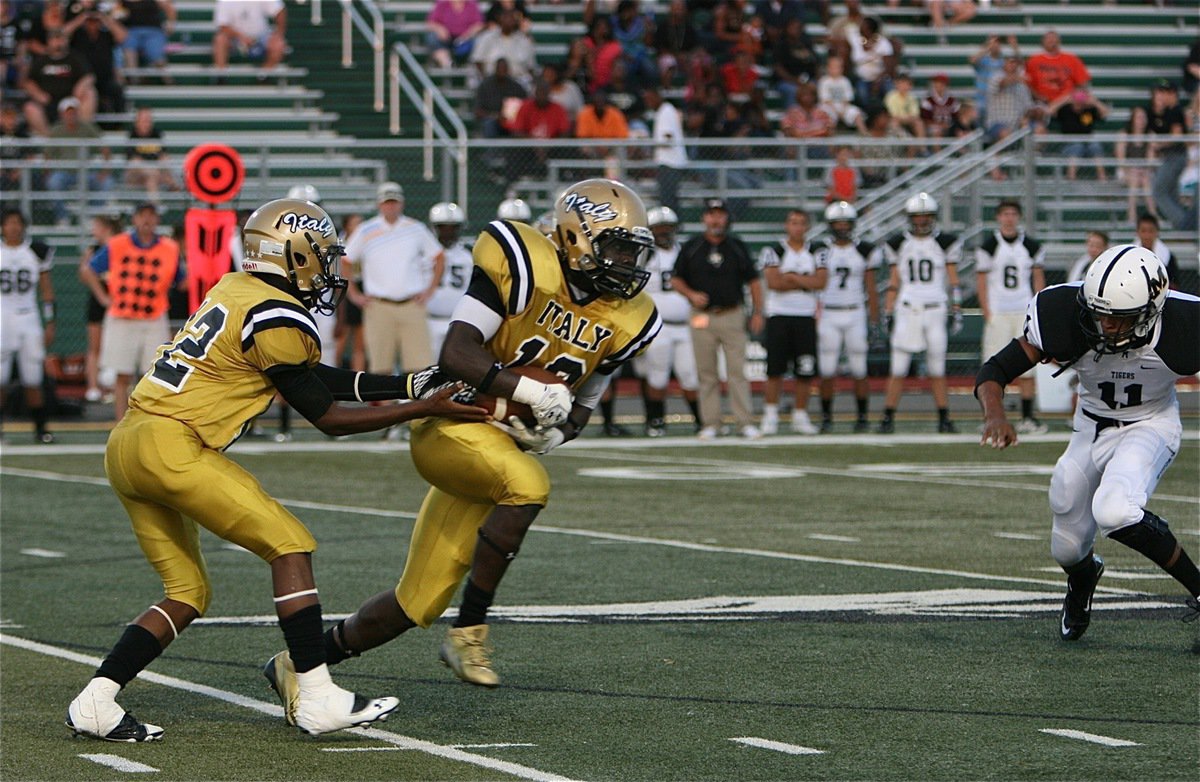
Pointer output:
504, 745
42, 552
682, 544
273, 710
120, 763
834, 538
1016, 536
1092, 737
778, 746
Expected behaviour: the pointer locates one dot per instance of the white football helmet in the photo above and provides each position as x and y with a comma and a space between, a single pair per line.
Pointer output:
446, 213
1127, 282
841, 216
514, 209
662, 215
922, 214
305, 193
602, 236
295, 239
545, 223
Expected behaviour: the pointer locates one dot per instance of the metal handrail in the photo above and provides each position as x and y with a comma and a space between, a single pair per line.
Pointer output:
924, 166
373, 32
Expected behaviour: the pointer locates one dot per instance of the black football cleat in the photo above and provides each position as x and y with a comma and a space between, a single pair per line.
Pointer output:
862, 425
946, 426
1077, 607
886, 426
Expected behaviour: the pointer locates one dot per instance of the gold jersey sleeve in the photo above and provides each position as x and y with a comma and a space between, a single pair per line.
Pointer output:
547, 323
212, 375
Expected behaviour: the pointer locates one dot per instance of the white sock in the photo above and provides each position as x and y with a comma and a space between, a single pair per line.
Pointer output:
314, 681
102, 687
801, 416
770, 410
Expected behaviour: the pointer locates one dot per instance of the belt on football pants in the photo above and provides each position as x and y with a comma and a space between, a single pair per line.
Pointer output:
926, 306
843, 306
1103, 423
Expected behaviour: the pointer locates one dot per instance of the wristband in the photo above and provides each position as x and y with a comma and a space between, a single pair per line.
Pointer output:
486, 383
528, 390
48, 311
956, 296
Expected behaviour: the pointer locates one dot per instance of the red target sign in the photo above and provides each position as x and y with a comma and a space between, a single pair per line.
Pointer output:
213, 173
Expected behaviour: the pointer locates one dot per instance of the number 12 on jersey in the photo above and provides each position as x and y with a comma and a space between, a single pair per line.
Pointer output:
173, 368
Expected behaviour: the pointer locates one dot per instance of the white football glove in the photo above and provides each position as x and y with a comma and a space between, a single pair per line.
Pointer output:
539, 439
551, 402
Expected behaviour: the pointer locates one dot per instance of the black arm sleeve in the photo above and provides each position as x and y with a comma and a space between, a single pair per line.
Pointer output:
302, 389
1004, 367
370, 388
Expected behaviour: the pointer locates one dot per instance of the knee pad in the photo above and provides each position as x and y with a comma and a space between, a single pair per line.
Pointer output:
857, 363
1113, 506
198, 595
1068, 489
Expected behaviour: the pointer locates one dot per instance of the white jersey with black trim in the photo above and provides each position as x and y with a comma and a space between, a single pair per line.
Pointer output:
1009, 265
848, 264
21, 269
672, 305
456, 275
922, 262
805, 260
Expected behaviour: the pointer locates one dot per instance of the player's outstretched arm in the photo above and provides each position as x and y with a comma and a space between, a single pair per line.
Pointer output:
1011, 362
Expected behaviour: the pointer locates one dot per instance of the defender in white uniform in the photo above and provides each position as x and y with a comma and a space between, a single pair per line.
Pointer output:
24, 274
1129, 340
1008, 271
923, 261
849, 298
447, 219
671, 351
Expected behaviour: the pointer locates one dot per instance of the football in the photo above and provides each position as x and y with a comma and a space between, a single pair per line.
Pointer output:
501, 409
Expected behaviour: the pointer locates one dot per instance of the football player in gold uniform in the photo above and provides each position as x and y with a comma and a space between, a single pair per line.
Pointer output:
571, 303
253, 335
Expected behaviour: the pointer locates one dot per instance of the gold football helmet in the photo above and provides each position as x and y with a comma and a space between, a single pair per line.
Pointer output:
602, 233
296, 239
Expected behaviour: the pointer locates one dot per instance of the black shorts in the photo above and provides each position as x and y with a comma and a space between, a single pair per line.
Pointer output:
792, 344
95, 310
353, 312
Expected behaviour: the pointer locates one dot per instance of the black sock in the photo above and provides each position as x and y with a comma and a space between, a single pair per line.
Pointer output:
335, 649
135, 650
38, 414
656, 410
694, 406
861, 402
826, 408
1084, 567
475, 605
1027, 408
943, 414
889, 413
1151, 538
285, 418
304, 638
606, 411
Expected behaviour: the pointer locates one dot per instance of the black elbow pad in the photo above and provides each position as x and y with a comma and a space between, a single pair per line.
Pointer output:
1004, 367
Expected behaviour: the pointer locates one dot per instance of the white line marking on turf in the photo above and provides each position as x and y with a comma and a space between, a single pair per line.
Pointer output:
1016, 536
1092, 737
1121, 575
44, 553
120, 763
403, 749
778, 746
833, 538
274, 710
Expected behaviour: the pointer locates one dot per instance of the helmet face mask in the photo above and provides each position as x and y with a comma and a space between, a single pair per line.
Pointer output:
1125, 289
663, 224
295, 239
922, 214
602, 236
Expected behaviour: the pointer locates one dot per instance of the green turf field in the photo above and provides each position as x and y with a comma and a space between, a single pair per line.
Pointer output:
827, 608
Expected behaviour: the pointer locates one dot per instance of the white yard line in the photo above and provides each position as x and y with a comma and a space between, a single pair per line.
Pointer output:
273, 710
1106, 741
120, 763
1016, 536
43, 553
778, 746
833, 538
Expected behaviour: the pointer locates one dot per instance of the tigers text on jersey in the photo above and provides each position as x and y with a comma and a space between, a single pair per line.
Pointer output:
455, 276
806, 260
922, 262
21, 268
1009, 267
212, 375
544, 324
1129, 386
672, 305
848, 265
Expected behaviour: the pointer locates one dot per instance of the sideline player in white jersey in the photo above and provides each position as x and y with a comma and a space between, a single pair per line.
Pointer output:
447, 219
1008, 272
1129, 339
514, 209
843, 322
794, 272
923, 260
671, 351
24, 276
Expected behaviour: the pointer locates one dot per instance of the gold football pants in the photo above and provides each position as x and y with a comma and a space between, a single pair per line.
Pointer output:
473, 468
162, 473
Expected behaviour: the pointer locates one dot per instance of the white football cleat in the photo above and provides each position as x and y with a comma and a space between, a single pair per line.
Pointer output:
94, 713
802, 425
331, 708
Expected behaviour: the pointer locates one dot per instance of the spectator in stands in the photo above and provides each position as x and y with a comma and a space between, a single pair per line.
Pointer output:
843, 180
842, 29
600, 120
591, 57
52, 17
12, 128
564, 92
739, 76
97, 36
1010, 103
498, 98
1167, 120
518, 9
634, 31
104, 228
987, 62
939, 107
1078, 115
807, 120
627, 98
796, 60
150, 23
675, 38
63, 180
1191, 68
1147, 236
254, 28
1054, 72
12, 46
878, 159
965, 122
904, 108
730, 25
1134, 167
962, 11
506, 41
836, 95
1096, 243
453, 25
539, 118
58, 74
669, 151
874, 60
775, 16
146, 166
